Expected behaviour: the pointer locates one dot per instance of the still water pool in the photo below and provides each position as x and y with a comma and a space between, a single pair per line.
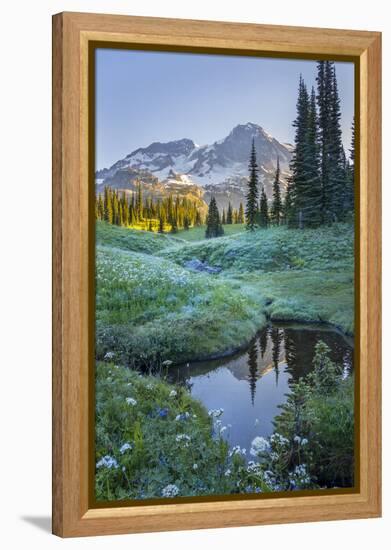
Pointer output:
251, 385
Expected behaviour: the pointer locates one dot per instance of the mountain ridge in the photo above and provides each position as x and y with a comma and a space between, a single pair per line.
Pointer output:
219, 169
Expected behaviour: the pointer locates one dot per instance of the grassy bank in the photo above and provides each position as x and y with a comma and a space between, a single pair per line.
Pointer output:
150, 308
154, 441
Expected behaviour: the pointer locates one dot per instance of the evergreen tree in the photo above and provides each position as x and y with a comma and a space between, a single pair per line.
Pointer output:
241, 214
299, 183
337, 154
312, 197
161, 224
287, 207
229, 214
276, 209
332, 173
263, 210
186, 223
252, 193
223, 218
108, 206
213, 223
197, 221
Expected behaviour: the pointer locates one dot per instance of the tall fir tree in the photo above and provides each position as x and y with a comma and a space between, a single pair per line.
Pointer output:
312, 200
213, 223
229, 214
161, 223
252, 192
263, 215
299, 184
241, 213
337, 154
276, 208
287, 205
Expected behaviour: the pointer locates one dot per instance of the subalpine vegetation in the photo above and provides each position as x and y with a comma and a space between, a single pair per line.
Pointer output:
295, 262
162, 215
321, 186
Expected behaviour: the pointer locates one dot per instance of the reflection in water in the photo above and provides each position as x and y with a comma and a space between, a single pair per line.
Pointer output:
251, 385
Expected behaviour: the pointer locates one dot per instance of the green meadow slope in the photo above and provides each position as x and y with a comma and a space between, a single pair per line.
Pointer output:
152, 307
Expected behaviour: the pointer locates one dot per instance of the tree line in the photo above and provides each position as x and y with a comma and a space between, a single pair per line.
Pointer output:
163, 214
320, 189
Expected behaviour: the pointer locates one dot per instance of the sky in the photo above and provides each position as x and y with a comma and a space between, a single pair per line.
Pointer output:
142, 97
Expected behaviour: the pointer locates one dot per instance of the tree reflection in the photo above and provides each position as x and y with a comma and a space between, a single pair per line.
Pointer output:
276, 336
252, 363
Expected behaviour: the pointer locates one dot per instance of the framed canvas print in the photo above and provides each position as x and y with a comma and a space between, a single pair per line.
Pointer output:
216, 298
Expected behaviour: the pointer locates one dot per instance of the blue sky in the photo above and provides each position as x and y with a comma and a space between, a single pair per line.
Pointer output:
143, 97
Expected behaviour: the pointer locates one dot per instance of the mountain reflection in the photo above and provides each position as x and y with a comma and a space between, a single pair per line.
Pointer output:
276, 347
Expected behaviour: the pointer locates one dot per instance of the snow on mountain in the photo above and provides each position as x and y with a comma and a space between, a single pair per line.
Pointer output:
220, 168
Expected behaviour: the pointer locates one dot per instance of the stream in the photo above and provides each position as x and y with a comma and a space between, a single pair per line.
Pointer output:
251, 385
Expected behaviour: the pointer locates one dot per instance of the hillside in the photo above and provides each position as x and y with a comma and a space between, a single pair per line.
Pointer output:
152, 306
220, 169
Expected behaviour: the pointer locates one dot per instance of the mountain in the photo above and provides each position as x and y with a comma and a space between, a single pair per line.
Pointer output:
220, 169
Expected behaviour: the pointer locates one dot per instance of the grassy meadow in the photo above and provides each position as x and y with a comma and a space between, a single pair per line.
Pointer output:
152, 310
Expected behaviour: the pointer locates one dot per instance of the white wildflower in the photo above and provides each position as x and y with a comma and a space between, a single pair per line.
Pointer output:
107, 462
131, 401
125, 447
237, 450
215, 413
195, 466
170, 491
259, 445
227, 473
297, 439
183, 438
109, 355
304, 441
173, 393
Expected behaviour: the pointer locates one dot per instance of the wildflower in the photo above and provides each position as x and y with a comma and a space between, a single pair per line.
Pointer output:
237, 450
182, 416
215, 413
125, 447
297, 439
252, 467
278, 439
170, 491
259, 445
131, 401
223, 429
109, 355
173, 393
183, 438
162, 412
195, 466
227, 473
304, 441
167, 363
107, 462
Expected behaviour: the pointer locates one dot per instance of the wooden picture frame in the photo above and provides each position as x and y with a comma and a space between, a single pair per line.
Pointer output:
73, 34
